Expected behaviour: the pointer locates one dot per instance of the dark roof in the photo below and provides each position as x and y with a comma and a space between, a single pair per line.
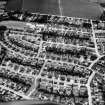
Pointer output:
72, 8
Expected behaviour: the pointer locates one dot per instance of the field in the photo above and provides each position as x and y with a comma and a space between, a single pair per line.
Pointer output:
14, 24
42, 6
72, 8
76, 8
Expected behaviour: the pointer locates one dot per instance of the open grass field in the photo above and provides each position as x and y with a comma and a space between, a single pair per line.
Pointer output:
14, 24
14, 5
42, 6
80, 8
73, 8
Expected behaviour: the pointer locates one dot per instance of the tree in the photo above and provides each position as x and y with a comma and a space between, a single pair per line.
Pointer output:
3, 28
102, 17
